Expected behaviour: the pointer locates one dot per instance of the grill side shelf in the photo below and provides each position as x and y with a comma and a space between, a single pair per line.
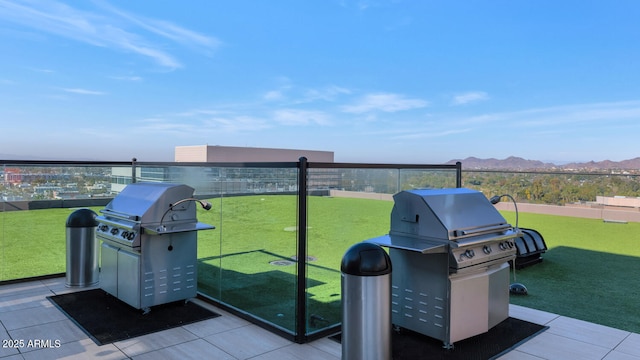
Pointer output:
175, 228
422, 246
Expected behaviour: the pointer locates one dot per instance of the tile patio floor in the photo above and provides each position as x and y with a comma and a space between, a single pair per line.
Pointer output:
26, 314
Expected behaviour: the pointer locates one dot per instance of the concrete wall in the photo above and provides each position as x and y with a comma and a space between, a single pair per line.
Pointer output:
618, 201
208, 153
361, 195
606, 213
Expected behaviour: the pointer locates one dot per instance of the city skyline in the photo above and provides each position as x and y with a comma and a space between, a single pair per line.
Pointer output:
373, 81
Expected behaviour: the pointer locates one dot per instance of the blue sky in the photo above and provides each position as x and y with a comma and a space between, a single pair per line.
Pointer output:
383, 81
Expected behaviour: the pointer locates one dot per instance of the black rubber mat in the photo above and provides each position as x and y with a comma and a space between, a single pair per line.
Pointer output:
499, 340
106, 319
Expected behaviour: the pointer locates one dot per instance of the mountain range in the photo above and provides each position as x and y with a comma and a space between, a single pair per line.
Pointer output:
518, 163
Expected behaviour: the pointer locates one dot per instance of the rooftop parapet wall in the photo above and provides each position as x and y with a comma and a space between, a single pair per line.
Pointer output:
618, 201
361, 195
606, 213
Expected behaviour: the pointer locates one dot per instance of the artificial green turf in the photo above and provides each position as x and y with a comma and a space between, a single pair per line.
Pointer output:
253, 231
33, 242
589, 271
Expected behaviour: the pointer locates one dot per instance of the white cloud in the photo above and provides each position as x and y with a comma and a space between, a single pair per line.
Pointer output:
300, 117
569, 116
120, 32
198, 126
273, 95
297, 95
469, 97
385, 102
127, 78
83, 91
429, 134
233, 124
329, 93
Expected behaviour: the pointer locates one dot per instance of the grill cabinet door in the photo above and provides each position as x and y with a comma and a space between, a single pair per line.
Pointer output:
109, 270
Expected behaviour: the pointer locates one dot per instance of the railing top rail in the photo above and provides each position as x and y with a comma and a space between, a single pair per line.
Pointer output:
64, 162
381, 166
288, 164
542, 172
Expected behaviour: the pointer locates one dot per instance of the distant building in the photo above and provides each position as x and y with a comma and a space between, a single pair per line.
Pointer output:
321, 178
12, 176
209, 153
236, 180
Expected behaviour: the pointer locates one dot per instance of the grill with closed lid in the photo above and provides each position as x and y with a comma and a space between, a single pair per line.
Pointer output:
450, 250
149, 244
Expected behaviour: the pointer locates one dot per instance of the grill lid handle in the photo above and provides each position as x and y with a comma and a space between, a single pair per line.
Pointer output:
120, 215
482, 230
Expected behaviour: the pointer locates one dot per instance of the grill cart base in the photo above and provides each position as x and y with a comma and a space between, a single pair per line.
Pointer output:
164, 271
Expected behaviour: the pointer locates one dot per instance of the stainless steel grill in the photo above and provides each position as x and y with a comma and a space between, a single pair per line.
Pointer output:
149, 244
449, 250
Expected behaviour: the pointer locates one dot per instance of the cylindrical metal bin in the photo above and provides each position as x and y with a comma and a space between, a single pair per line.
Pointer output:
366, 303
82, 249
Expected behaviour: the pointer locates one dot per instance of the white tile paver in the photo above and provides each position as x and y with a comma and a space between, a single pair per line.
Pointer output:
247, 341
616, 355
80, 350
587, 332
155, 341
63, 331
630, 345
26, 314
196, 350
555, 347
31, 316
296, 352
531, 315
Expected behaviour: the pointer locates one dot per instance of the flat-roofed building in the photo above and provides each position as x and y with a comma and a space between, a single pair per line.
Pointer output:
214, 153
318, 178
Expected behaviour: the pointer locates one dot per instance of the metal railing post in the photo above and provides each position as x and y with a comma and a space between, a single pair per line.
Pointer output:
133, 170
301, 291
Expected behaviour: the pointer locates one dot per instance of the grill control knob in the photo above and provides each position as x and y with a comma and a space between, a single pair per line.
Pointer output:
486, 249
469, 253
131, 236
114, 231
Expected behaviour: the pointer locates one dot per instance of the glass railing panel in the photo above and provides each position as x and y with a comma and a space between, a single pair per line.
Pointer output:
35, 202
590, 223
3, 255
336, 223
249, 260
426, 179
344, 216
381, 181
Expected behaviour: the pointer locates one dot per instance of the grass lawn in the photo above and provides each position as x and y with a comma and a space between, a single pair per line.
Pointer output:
589, 272
255, 232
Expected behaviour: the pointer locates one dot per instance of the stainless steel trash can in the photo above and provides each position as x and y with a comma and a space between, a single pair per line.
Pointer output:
82, 249
366, 303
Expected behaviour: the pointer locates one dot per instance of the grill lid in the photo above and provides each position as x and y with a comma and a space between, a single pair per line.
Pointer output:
446, 214
146, 202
